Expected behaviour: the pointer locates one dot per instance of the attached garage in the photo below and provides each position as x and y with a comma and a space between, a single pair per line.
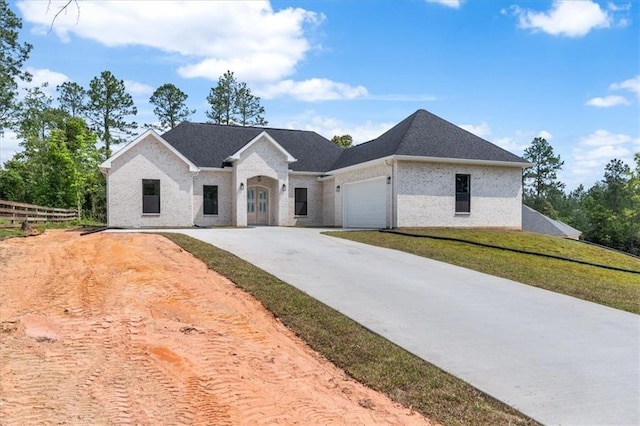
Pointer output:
365, 203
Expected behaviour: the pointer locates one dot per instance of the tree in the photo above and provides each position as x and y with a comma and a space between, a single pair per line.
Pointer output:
12, 56
72, 98
170, 107
109, 106
616, 177
233, 103
344, 141
541, 178
221, 98
247, 107
36, 115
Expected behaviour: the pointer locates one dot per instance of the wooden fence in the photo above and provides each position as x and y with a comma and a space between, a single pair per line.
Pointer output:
17, 213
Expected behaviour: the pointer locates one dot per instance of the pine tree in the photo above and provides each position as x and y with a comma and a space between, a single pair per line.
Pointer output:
108, 109
170, 107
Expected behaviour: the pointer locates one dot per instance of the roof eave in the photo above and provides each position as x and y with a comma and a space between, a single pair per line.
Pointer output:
470, 161
106, 164
236, 155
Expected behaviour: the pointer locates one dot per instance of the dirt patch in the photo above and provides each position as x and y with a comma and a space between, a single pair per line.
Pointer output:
129, 328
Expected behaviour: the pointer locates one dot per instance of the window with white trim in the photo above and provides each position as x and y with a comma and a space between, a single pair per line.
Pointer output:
301, 201
210, 199
150, 196
463, 193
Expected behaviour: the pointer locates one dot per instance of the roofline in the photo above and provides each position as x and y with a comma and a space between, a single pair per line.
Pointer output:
106, 165
216, 169
521, 165
355, 166
475, 162
236, 156
297, 172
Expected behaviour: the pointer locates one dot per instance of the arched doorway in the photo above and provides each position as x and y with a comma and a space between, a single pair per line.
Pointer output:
258, 205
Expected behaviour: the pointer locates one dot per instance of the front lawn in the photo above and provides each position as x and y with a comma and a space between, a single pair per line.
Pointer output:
617, 289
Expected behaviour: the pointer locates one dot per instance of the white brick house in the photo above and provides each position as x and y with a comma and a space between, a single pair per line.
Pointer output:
425, 171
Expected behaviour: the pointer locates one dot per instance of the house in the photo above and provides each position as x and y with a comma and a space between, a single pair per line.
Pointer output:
424, 171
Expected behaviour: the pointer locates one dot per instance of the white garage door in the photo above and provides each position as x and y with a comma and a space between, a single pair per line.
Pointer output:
365, 203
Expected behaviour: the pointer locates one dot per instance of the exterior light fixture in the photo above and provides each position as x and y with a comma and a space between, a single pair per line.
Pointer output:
284, 187
388, 180
338, 188
241, 186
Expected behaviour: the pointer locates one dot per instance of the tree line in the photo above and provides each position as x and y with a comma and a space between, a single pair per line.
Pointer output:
58, 163
608, 213
64, 139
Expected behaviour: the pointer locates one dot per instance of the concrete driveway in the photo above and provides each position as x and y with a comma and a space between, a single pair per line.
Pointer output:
557, 359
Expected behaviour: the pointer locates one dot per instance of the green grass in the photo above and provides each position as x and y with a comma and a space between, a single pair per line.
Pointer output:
362, 354
620, 290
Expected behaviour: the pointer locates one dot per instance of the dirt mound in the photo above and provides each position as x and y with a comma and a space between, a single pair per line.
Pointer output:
129, 328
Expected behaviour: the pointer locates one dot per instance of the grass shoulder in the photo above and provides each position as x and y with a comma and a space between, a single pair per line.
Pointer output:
362, 354
616, 289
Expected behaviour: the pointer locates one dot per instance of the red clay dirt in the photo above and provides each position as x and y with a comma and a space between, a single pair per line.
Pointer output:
131, 329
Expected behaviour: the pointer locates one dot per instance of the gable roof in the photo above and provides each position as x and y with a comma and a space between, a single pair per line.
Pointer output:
236, 155
211, 145
107, 163
423, 134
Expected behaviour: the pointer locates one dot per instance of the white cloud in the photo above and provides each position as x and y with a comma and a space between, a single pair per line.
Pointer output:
137, 88
520, 140
604, 138
9, 145
330, 126
482, 130
595, 150
545, 135
449, 3
314, 89
632, 85
250, 38
41, 76
616, 7
607, 101
565, 18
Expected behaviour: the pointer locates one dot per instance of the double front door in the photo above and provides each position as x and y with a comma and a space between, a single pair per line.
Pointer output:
257, 205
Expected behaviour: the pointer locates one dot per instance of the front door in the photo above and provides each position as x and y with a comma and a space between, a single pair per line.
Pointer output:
257, 205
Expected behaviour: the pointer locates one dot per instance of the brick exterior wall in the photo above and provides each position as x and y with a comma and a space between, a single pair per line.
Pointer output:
262, 158
425, 195
149, 159
315, 189
223, 181
362, 173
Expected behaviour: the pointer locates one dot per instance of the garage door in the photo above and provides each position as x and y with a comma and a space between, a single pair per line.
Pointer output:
365, 203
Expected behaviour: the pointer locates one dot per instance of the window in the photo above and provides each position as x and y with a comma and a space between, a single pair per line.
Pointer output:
301, 202
463, 193
151, 196
210, 199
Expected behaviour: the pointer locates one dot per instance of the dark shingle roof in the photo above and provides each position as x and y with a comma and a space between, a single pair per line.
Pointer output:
209, 145
423, 134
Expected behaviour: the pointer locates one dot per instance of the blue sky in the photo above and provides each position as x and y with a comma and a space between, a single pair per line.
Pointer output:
506, 70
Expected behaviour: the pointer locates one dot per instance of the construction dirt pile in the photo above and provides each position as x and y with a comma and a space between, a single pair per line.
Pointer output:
131, 329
